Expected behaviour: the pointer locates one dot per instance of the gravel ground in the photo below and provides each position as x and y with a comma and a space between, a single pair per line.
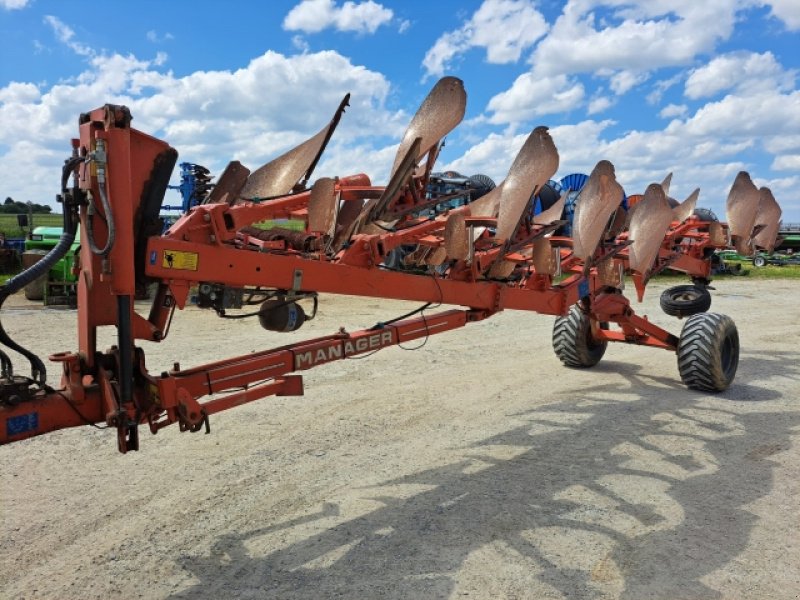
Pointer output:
475, 466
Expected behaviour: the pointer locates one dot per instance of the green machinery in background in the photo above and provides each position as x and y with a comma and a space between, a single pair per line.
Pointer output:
59, 286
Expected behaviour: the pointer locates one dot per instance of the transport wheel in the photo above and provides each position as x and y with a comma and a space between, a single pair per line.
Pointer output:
759, 261
573, 342
708, 352
684, 300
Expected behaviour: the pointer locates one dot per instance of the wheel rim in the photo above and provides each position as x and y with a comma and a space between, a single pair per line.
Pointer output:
686, 296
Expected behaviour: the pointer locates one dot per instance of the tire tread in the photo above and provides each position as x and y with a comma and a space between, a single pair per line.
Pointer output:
700, 352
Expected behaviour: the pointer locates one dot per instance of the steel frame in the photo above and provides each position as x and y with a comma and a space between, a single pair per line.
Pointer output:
115, 387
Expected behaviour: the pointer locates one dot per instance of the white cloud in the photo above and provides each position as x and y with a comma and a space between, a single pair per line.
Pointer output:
650, 35
492, 156
786, 162
757, 116
530, 97
65, 34
504, 28
623, 81
13, 4
626, 45
783, 143
299, 42
312, 16
211, 117
673, 110
598, 104
152, 36
19, 93
787, 11
660, 87
746, 72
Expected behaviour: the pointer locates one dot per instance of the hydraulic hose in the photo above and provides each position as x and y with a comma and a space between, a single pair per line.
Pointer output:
32, 273
100, 160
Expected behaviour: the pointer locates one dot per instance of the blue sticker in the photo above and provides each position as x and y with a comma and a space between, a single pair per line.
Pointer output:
153, 256
583, 288
22, 424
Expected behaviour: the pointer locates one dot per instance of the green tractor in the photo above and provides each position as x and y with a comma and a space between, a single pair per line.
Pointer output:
59, 285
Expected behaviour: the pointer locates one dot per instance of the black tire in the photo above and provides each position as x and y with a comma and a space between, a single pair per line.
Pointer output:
708, 352
759, 261
685, 300
573, 342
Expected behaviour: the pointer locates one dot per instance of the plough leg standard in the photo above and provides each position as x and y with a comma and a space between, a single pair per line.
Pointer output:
487, 256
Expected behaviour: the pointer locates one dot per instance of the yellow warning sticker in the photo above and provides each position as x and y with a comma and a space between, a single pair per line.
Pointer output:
154, 394
175, 259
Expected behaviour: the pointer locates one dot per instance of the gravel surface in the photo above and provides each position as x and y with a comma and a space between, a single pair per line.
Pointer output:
475, 466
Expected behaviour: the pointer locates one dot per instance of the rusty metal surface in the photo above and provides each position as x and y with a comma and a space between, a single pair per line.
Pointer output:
599, 198
501, 269
456, 237
666, 183
436, 256
617, 224
229, 184
609, 273
648, 225
686, 208
535, 164
279, 176
375, 208
543, 260
742, 206
716, 234
488, 204
553, 213
296, 240
322, 206
348, 213
769, 217
438, 114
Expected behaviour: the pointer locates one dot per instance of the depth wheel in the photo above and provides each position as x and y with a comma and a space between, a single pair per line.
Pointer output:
685, 300
708, 352
573, 341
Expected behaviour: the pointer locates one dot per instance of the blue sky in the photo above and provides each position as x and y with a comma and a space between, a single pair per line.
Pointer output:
701, 88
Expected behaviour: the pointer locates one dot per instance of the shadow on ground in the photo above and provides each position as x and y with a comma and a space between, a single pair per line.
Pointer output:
636, 490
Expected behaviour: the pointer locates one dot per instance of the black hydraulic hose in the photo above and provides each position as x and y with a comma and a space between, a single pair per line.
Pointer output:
39, 269
6, 368
109, 217
99, 159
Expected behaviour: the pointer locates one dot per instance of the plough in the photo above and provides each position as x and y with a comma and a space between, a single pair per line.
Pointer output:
487, 256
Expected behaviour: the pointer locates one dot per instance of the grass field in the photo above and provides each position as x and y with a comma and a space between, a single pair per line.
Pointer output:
10, 227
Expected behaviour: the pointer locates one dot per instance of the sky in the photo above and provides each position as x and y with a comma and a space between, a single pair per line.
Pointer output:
701, 88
